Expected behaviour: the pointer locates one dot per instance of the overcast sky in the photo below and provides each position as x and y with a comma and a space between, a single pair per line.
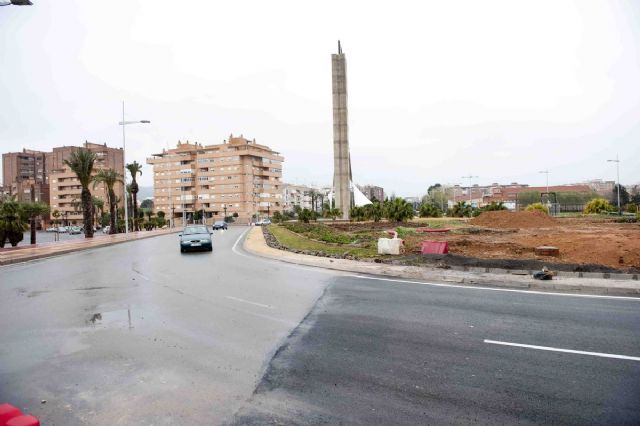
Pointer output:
437, 90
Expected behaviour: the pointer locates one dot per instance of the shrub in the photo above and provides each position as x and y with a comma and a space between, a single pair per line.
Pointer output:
461, 209
597, 206
277, 216
537, 207
493, 206
429, 210
305, 215
398, 210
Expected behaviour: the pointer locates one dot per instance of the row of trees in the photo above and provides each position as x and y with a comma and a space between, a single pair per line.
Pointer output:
81, 162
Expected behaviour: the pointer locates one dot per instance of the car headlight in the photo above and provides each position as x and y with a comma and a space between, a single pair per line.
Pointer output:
205, 240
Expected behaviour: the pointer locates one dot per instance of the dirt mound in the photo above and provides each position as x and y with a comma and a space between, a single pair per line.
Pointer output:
507, 219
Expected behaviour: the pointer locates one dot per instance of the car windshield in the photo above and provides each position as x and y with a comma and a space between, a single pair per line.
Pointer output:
220, 222
195, 230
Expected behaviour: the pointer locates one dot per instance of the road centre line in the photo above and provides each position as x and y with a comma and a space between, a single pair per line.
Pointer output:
570, 351
510, 290
237, 299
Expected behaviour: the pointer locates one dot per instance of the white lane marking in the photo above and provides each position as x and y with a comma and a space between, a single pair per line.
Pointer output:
237, 299
235, 245
569, 351
469, 287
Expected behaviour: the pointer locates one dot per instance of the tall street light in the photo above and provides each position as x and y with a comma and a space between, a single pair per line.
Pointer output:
547, 173
617, 161
124, 123
470, 177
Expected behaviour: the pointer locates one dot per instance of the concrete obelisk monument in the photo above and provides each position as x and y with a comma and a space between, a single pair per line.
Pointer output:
341, 156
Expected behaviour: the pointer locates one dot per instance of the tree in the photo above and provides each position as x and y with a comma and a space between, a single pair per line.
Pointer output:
134, 169
399, 210
277, 216
81, 162
146, 204
31, 211
109, 178
624, 195
11, 224
98, 207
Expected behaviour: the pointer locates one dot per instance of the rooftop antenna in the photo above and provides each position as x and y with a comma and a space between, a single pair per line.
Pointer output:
339, 48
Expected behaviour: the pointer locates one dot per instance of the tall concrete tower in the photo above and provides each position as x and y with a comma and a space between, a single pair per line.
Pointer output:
341, 156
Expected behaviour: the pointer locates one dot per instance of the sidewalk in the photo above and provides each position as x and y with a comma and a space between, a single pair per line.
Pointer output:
27, 252
256, 244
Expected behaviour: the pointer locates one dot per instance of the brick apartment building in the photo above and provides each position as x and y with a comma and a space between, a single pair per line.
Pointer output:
237, 176
42, 176
24, 175
64, 186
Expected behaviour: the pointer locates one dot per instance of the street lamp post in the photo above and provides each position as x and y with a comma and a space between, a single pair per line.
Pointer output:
547, 173
617, 161
124, 123
470, 177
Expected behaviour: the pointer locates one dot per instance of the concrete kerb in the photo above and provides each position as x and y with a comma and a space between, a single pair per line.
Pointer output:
255, 243
62, 250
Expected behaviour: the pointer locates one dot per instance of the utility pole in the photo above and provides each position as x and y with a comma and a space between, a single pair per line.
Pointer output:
617, 161
470, 177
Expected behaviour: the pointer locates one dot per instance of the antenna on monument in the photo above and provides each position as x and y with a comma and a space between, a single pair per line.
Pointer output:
339, 48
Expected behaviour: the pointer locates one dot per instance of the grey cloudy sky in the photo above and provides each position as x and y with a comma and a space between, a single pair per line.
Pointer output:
437, 90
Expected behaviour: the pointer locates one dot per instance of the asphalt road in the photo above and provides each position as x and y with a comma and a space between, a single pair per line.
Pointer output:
138, 333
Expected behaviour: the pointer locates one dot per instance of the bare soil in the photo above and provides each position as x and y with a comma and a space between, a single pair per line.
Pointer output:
581, 241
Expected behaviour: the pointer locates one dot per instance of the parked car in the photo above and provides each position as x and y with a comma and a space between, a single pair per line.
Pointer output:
264, 222
75, 230
106, 229
62, 229
195, 237
52, 229
220, 224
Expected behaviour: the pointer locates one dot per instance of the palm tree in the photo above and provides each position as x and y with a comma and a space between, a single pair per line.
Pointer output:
81, 163
31, 211
98, 205
109, 178
134, 168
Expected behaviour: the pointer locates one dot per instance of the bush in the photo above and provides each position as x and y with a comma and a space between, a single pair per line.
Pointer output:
429, 210
537, 207
398, 210
305, 215
493, 206
461, 209
277, 217
597, 206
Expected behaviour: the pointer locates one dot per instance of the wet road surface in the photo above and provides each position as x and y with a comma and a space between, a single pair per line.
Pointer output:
139, 334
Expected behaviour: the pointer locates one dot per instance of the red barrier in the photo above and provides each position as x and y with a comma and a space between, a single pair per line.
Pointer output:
23, 421
11, 416
434, 247
8, 412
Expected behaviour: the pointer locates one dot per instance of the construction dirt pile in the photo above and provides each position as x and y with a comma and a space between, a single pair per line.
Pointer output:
517, 220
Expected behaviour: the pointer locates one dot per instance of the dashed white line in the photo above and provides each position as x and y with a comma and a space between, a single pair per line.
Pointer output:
569, 351
510, 290
237, 299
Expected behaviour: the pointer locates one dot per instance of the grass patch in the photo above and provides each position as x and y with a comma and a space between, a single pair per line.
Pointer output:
294, 241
